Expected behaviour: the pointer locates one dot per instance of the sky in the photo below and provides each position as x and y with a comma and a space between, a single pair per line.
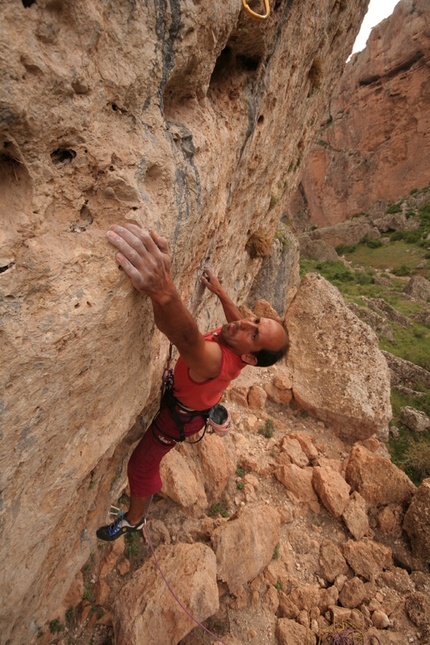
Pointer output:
377, 11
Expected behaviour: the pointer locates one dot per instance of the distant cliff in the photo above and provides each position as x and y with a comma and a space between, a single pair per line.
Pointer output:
374, 143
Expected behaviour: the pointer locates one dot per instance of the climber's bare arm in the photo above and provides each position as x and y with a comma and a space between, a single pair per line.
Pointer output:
145, 258
212, 283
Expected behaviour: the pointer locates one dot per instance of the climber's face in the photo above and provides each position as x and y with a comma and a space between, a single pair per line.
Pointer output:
249, 335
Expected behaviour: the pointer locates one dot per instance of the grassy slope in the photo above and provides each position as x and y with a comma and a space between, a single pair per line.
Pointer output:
398, 260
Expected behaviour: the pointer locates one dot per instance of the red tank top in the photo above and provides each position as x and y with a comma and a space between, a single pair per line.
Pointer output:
201, 396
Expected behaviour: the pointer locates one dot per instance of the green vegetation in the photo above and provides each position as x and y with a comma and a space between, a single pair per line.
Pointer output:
400, 257
220, 508
278, 585
55, 626
131, 544
240, 485
239, 471
275, 555
267, 430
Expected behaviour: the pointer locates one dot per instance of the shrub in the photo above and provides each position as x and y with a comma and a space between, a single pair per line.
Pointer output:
412, 237
55, 626
402, 270
394, 208
417, 457
267, 430
374, 244
397, 235
345, 248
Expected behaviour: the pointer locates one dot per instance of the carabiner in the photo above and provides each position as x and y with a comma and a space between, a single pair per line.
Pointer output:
252, 13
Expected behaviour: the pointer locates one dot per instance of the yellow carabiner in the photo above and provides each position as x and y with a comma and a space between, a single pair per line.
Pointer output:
252, 13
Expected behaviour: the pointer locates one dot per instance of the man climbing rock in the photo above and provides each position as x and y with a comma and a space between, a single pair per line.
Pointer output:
206, 365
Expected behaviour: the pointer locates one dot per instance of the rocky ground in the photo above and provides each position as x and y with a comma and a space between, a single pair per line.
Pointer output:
319, 573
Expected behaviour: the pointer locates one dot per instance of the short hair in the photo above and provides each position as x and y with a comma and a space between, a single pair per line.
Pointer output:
267, 357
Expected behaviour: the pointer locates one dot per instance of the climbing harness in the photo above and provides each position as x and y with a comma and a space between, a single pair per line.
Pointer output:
253, 14
217, 419
146, 532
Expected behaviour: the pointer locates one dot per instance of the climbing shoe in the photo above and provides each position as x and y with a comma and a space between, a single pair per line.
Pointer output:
119, 527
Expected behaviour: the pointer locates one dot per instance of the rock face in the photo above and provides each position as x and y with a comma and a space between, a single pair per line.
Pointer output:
375, 142
173, 115
243, 547
146, 611
377, 479
417, 521
338, 375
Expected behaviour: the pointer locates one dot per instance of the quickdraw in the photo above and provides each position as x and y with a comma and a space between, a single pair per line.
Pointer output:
253, 14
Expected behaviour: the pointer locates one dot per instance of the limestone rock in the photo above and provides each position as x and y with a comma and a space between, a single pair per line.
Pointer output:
319, 250
414, 419
377, 479
346, 233
390, 519
306, 443
339, 374
355, 516
145, 611
332, 489
405, 372
305, 596
418, 609
172, 115
179, 483
418, 287
298, 481
417, 521
288, 632
287, 609
378, 110
278, 278
353, 593
244, 546
292, 448
367, 558
257, 397
332, 561
380, 619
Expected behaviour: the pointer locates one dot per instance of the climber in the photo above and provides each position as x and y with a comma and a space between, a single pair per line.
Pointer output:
205, 367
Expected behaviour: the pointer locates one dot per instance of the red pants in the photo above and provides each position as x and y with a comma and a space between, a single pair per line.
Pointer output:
144, 464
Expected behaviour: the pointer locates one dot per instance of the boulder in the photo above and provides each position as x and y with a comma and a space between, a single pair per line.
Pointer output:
332, 489
417, 522
353, 593
339, 374
413, 419
244, 546
405, 372
179, 482
377, 479
298, 481
146, 612
419, 288
292, 448
355, 516
332, 561
345, 233
366, 558
319, 250
288, 632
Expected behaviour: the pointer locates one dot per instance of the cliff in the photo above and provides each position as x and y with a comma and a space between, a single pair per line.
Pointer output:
187, 117
374, 142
